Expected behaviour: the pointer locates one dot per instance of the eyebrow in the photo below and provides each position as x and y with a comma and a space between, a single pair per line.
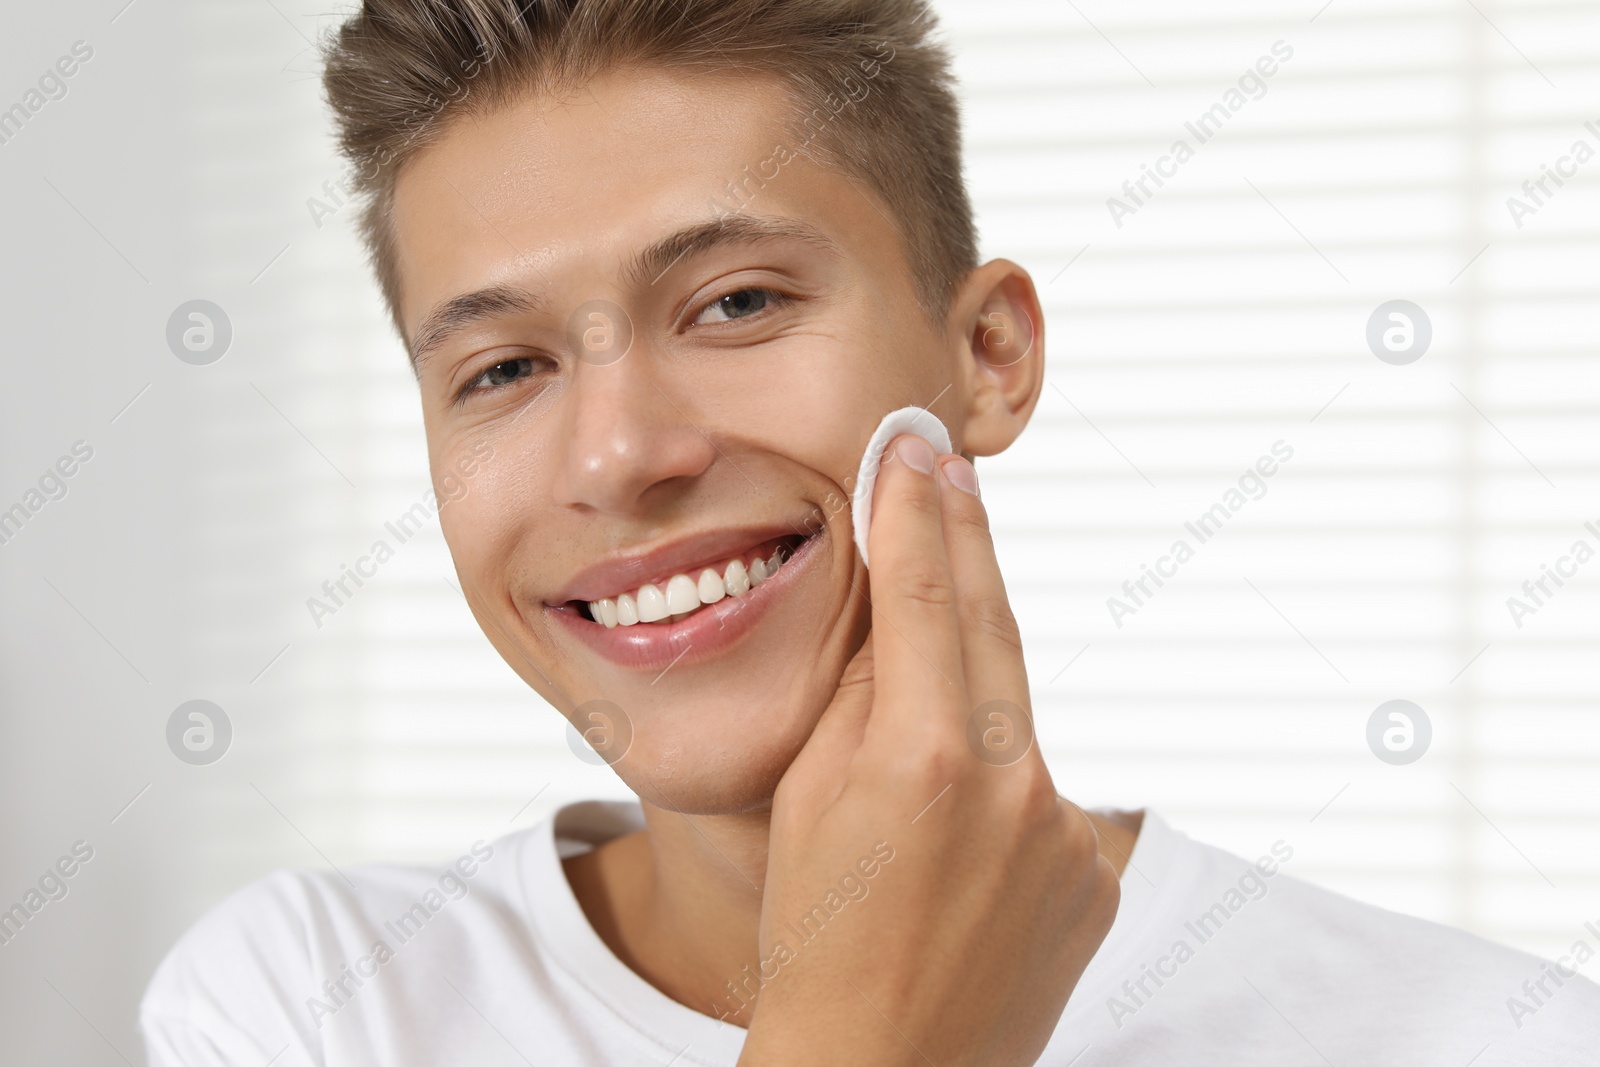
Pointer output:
460, 312
651, 265
644, 270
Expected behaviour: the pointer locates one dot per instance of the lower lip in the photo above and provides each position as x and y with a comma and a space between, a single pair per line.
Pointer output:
709, 632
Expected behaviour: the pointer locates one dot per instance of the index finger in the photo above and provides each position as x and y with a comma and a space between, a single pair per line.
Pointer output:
916, 638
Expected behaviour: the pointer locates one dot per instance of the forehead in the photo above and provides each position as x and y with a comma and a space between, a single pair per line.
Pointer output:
558, 191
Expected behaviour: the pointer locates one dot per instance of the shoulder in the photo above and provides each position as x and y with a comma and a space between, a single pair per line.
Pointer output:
1395, 980
217, 996
246, 980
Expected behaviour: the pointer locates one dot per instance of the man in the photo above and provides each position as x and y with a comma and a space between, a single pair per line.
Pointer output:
661, 267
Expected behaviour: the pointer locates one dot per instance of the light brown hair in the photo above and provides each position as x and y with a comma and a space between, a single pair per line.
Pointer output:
872, 93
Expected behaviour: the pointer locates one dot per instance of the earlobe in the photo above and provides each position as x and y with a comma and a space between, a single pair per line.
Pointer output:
1001, 327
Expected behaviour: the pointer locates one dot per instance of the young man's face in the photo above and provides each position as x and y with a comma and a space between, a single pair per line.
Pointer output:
729, 429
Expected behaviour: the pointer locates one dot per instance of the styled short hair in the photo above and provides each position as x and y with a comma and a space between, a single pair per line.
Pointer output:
872, 90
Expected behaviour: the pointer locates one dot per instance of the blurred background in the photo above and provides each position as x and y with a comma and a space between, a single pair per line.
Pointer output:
1397, 151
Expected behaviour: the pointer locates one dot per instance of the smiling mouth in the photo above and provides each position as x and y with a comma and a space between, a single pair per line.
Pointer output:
678, 596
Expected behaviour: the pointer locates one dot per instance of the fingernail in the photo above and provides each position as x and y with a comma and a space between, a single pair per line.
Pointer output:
962, 475
915, 453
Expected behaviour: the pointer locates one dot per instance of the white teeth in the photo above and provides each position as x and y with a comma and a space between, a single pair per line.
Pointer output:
627, 611
736, 579
683, 595
652, 604
762, 569
710, 588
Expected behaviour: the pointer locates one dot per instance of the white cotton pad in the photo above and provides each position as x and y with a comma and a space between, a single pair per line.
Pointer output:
920, 421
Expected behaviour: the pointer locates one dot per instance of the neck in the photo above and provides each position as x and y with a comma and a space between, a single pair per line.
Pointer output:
680, 902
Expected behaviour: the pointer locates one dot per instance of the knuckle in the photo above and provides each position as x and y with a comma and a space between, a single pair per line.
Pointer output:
920, 500
1036, 805
924, 582
943, 759
971, 519
932, 761
1039, 790
989, 615
948, 757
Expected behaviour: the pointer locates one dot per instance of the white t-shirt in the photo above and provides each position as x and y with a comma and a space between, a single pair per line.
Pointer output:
490, 961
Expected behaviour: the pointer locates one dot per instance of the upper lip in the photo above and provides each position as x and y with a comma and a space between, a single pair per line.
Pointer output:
624, 572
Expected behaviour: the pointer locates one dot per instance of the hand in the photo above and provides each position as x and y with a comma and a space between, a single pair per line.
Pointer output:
986, 896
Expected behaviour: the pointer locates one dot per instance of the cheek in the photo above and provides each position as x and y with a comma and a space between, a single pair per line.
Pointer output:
497, 503
813, 399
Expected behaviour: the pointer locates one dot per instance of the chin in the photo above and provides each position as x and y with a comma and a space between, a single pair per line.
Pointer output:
718, 739
720, 770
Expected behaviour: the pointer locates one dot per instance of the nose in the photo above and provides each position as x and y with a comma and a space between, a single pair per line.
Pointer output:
627, 436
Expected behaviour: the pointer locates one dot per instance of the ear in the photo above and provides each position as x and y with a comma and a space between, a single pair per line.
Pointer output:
998, 328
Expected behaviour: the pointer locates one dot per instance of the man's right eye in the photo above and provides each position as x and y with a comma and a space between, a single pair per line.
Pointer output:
496, 377
507, 372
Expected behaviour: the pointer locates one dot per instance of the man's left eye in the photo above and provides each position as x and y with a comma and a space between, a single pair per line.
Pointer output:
737, 305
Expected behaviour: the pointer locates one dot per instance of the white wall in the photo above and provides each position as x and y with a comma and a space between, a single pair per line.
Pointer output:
1226, 314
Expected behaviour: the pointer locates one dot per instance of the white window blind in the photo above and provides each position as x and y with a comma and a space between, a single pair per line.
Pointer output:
1226, 315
